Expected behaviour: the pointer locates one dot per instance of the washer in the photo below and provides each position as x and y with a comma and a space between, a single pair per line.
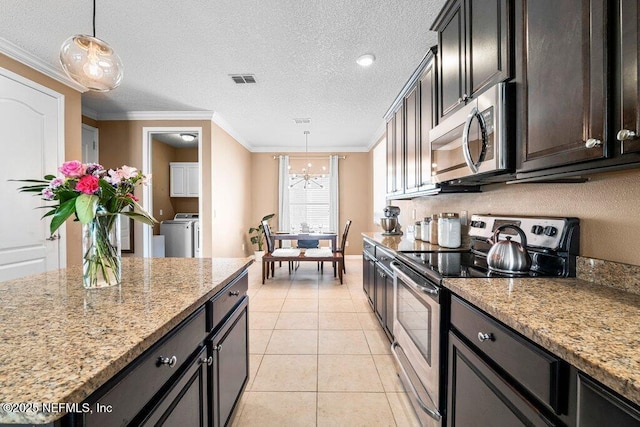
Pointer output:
182, 235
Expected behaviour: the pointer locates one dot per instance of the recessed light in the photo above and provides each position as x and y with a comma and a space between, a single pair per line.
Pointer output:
366, 59
188, 137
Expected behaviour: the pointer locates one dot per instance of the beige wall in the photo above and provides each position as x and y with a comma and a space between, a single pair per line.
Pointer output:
231, 182
355, 192
72, 138
121, 143
608, 207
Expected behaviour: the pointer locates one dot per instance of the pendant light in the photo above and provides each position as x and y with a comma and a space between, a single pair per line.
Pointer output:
90, 61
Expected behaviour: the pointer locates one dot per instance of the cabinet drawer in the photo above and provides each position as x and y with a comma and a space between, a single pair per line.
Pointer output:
369, 248
223, 302
145, 376
384, 257
541, 373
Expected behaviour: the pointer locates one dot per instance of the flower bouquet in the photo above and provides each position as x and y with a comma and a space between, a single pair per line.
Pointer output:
97, 197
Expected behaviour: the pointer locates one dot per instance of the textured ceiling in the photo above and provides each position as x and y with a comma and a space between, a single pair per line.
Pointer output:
178, 56
175, 140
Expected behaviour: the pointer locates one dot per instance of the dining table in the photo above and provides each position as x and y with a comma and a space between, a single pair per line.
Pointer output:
279, 236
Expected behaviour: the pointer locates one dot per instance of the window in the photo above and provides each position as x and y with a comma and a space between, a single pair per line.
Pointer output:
310, 205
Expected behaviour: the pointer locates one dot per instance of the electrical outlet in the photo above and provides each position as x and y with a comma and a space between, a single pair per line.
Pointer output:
464, 217
413, 214
160, 212
347, 243
243, 246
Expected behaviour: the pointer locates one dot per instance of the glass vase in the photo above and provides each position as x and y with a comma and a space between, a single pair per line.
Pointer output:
102, 258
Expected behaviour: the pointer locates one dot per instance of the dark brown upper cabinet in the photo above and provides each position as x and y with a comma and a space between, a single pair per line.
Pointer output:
474, 50
412, 120
627, 98
391, 176
428, 89
399, 149
563, 90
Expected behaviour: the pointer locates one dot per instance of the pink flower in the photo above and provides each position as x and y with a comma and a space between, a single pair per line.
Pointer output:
72, 169
132, 197
47, 194
88, 184
56, 182
127, 172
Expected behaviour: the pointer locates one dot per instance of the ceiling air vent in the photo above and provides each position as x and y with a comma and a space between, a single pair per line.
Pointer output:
302, 120
243, 78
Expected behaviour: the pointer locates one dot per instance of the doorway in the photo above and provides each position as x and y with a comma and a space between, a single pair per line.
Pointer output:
181, 146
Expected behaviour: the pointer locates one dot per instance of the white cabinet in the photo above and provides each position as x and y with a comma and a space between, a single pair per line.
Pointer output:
185, 177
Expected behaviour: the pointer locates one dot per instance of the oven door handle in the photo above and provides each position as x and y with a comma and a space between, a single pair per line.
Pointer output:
466, 151
433, 413
396, 267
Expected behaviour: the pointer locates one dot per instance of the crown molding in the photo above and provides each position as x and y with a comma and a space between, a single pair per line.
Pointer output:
377, 135
220, 121
330, 150
14, 51
156, 115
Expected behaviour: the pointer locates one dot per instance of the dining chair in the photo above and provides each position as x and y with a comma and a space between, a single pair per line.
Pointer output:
271, 252
343, 244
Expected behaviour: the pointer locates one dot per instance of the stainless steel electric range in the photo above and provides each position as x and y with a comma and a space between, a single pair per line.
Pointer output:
419, 325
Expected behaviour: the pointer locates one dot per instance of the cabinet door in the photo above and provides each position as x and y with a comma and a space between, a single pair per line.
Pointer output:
598, 407
185, 404
427, 84
230, 351
451, 61
487, 44
391, 176
389, 305
178, 176
628, 74
380, 295
411, 138
564, 91
399, 151
478, 396
193, 180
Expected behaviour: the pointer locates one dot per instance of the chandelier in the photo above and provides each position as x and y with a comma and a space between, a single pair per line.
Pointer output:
306, 179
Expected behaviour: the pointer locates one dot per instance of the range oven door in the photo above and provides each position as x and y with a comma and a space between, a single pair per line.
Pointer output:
473, 141
417, 318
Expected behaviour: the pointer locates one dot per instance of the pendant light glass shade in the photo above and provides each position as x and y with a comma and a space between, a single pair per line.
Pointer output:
91, 62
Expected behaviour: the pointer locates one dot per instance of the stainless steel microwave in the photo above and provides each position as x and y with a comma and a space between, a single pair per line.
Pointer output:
472, 143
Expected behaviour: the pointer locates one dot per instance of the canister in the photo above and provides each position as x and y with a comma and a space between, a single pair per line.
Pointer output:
418, 231
425, 235
433, 229
449, 230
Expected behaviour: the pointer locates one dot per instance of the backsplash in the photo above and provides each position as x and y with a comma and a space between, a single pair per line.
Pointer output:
616, 275
608, 207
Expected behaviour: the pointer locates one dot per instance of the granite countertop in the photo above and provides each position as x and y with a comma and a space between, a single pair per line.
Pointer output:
594, 327
60, 342
406, 242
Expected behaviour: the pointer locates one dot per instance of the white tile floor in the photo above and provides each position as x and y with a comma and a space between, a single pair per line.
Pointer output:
318, 355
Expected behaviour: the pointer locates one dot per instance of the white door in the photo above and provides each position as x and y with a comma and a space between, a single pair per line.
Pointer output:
31, 146
89, 144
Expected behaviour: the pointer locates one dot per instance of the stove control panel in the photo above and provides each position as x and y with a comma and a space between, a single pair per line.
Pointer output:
547, 233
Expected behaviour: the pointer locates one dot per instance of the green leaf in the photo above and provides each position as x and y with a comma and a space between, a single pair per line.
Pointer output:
49, 177
268, 217
136, 205
139, 217
86, 206
61, 214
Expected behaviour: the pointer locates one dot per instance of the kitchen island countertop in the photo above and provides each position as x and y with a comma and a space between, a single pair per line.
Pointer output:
594, 327
60, 342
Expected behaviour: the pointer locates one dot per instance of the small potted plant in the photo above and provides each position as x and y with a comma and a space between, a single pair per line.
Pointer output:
257, 236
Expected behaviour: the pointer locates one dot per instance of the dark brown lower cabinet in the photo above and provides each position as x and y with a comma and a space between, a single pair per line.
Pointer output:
230, 365
478, 396
597, 406
380, 295
368, 276
185, 404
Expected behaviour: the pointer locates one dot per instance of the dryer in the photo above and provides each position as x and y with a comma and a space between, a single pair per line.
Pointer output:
182, 235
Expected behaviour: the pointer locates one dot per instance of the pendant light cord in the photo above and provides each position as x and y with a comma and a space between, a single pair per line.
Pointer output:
94, 18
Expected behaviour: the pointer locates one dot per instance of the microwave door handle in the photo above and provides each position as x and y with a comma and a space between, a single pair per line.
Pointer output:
466, 151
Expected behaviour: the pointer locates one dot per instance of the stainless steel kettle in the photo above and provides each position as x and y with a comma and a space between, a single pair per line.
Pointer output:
507, 256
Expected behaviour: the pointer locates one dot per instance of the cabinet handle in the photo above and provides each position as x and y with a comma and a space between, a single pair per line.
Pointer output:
217, 347
465, 97
234, 293
383, 275
626, 135
171, 362
483, 336
53, 237
207, 360
384, 258
592, 142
